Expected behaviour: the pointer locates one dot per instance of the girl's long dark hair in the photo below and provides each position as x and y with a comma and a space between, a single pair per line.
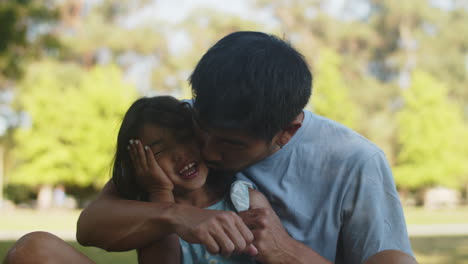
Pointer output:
164, 111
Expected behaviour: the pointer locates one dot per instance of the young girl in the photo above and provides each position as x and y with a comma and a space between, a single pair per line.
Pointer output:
163, 163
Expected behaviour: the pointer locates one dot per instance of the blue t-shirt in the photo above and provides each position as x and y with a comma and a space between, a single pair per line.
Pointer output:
333, 191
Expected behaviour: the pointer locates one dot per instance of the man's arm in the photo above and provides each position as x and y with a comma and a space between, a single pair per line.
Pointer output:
115, 224
274, 244
373, 227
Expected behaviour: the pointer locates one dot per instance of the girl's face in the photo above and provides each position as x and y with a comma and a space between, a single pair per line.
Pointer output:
178, 155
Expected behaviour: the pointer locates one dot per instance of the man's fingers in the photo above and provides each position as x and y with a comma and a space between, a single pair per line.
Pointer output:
236, 238
210, 244
251, 250
244, 231
249, 218
224, 242
235, 228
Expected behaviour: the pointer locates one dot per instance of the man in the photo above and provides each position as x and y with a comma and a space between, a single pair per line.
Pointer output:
331, 188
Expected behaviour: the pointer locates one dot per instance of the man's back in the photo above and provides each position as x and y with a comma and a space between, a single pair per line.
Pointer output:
334, 192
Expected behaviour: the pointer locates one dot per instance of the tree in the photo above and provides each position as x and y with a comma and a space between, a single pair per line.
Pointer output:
20, 41
203, 27
75, 116
330, 93
430, 134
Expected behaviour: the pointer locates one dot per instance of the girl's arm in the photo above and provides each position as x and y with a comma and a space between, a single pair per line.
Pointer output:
159, 187
166, 250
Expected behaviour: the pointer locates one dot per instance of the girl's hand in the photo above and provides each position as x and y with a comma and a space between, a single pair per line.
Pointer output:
147, 170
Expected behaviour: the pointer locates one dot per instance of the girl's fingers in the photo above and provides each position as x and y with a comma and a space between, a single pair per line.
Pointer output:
152, 163
131, 152
134, 155
141, 155
150, 158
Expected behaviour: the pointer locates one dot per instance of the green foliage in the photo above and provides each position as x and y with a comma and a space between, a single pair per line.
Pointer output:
75, 116
357, 66
204, 27
414, 35
15, 47
95, 32
19, 193
330, 93
431, 136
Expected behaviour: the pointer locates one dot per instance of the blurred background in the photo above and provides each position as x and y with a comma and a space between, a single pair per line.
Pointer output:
395, 71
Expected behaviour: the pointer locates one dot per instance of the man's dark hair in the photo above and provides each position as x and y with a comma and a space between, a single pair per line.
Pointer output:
252, 81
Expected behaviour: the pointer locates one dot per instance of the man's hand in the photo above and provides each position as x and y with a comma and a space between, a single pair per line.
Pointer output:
270, 237
274, 244
220, 232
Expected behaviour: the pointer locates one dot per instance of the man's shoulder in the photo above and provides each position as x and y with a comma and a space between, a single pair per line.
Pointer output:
337, 140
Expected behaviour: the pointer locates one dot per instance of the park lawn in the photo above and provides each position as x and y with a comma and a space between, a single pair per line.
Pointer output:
65, 220
422, 216
441, 250
428, 250
30, 220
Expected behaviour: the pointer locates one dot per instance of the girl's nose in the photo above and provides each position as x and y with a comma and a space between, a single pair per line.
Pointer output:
181, 152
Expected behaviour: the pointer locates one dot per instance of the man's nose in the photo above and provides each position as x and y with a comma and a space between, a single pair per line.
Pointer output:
209, 150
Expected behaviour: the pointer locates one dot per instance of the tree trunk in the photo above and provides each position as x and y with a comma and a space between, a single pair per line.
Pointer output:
44, 197
1, 178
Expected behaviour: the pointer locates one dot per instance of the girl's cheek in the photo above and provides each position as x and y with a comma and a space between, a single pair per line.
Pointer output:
165, 164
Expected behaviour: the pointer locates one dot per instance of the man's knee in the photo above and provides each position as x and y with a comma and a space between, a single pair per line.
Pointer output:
32, 247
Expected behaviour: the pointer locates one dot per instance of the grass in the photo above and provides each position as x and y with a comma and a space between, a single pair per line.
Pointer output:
428, 250
441, 250
20, 220
421, 216
28, 220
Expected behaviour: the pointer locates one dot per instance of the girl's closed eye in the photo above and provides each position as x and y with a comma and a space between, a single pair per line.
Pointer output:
158, 153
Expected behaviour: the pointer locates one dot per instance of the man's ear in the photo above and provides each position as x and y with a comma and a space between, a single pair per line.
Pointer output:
288, 132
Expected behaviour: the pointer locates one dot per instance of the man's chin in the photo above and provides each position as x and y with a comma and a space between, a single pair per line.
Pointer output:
224, 171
